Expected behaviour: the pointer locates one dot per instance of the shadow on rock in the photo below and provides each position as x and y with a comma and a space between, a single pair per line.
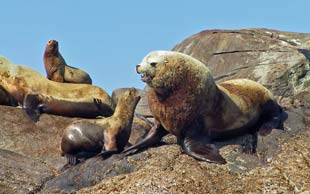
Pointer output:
89, 173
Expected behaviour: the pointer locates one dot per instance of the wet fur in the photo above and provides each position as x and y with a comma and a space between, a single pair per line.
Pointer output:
102, 135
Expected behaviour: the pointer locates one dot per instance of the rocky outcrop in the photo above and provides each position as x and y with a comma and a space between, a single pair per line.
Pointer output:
30, 156
29, 152
278, 60
281, 164
21, 174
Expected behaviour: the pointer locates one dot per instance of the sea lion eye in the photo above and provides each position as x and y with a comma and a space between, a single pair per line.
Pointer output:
153, 64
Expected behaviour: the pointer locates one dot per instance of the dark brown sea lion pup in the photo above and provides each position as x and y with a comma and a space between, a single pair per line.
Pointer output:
186, 102
57, 69
87, 137
37, 94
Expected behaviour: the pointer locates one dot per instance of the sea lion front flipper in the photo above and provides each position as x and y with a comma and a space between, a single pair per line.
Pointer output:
273, 118
267, 127
103, 109
201, 149
154, 136
32, 106
33, 115
51, 71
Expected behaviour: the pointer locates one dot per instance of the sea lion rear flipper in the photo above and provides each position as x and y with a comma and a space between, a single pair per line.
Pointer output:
71, 159
154, 136
31, 107
201, 149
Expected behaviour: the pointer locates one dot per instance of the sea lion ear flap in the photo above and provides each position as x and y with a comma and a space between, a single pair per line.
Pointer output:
201, 149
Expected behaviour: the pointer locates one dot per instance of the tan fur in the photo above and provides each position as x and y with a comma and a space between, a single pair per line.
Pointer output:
181, 90
116, 129
20, 80
57, 69
121, 120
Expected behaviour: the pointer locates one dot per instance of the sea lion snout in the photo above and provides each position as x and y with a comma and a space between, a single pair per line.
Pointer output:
137, 68
52, 42
145, 74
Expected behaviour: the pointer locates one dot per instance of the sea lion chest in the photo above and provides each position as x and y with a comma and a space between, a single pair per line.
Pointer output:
175, 113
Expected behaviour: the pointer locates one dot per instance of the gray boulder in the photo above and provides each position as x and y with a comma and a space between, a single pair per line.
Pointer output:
278, 60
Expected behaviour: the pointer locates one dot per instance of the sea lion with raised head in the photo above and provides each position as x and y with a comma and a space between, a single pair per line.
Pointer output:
186, 102
84, 138
57, 69
37, 94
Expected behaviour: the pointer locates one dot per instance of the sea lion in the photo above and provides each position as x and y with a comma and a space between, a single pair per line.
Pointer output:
6, 98
186, 102
142, 108
57, 69
37, 94
107, 135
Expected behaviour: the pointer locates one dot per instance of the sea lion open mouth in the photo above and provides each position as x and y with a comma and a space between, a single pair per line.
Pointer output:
146, 78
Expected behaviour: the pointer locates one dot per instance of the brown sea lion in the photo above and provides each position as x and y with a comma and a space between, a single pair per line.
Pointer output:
38, 94
142, 107
6, 98
186, 102
57, 69
88, 137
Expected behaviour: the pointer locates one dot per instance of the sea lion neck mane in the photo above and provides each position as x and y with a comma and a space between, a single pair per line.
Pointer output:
176, 85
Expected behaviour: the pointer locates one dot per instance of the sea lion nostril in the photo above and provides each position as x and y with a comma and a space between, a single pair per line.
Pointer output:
137, 67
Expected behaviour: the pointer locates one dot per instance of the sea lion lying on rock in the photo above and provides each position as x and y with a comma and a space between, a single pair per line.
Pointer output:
57, 69
85, 138
186, 102
37, 94
6, 98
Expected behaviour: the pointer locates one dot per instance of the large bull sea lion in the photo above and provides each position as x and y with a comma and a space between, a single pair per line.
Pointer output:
186, 102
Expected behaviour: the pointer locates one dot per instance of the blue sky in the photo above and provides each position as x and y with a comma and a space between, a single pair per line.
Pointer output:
108, 38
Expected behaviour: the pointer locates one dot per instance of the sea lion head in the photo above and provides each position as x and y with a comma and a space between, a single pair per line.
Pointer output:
168, 71
150, 65
130, 97
52, 47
